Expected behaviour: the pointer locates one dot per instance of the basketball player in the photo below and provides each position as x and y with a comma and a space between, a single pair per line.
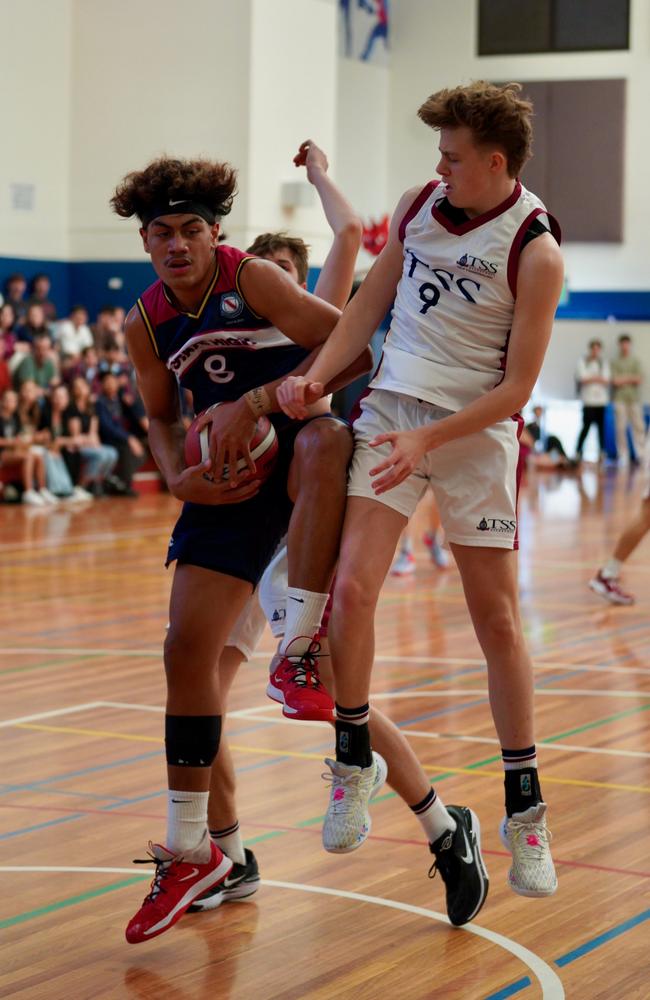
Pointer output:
466, 886
606, 582
212, 322
473, 264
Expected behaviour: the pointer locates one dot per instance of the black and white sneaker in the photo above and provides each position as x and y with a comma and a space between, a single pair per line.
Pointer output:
242, 881
459, 861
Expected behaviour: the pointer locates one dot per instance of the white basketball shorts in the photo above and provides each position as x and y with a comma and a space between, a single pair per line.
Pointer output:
474, 478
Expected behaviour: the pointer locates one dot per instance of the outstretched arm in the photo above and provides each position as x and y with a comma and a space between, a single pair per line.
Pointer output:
359, 321
337, 274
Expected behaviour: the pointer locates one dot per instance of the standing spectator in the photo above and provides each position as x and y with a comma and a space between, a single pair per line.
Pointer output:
73, 334
39, 295
82, 423
15, 288
16, 450
627, 376
593, 377
118, 428
40, 366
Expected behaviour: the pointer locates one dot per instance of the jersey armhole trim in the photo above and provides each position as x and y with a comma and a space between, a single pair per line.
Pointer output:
243, 261
415, 207
515, 249
149, 327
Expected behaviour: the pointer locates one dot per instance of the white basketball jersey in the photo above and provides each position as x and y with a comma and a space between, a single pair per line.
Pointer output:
453, 309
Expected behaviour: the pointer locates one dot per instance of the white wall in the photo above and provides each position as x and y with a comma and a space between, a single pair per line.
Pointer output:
434, 46
35, 84
362, 137
292, 98
152, 77
569, 342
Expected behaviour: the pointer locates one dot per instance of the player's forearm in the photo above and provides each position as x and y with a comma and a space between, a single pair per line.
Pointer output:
166, 444
340, 215
497, 405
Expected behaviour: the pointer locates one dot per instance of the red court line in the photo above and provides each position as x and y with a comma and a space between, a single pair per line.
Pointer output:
313, 830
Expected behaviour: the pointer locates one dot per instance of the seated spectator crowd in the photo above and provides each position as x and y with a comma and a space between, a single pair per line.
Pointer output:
72, 425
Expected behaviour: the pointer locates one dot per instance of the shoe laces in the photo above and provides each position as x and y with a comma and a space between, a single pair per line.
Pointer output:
162, 871
532, 838
304, 668
342, 803
444, 859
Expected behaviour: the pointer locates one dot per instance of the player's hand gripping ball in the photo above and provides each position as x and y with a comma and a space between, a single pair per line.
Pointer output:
263, 448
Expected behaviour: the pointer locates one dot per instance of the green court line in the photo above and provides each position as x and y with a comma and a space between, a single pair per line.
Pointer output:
70, 901
60, 660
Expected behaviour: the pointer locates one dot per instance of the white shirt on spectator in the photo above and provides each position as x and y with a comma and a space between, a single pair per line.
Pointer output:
72, 339
593, 393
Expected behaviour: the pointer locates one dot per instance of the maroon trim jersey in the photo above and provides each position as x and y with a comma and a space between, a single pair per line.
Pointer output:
224, 348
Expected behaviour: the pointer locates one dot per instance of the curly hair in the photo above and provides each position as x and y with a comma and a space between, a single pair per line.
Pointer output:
496, 115
212, 184
268, 243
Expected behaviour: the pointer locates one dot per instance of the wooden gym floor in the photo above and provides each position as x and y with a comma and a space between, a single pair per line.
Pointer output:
83, 605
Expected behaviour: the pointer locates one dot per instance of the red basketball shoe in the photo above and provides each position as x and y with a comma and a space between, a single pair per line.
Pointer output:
175, 886
295, 684
609, 588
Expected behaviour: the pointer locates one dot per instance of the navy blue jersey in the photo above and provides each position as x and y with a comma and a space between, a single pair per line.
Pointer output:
224, 349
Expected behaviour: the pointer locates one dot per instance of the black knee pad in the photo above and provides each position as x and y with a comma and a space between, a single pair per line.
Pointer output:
192, 740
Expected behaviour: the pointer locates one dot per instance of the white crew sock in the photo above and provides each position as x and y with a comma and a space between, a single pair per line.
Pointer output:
612, 569
434, 818
230, 842
187, 824
304, 614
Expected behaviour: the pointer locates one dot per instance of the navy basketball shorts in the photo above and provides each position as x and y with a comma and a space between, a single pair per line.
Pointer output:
239, 539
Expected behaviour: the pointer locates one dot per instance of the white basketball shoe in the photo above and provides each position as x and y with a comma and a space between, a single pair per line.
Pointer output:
527, 837
347, 821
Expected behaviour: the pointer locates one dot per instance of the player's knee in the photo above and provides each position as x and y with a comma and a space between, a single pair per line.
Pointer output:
353, 598
500, 630
183, 654
324, 445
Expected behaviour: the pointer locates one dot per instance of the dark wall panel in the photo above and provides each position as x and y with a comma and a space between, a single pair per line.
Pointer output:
578, 163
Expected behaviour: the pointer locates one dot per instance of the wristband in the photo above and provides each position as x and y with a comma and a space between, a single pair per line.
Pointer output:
258, 401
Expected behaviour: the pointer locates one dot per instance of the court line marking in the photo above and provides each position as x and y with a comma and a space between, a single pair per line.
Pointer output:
382, 658
280, 755
483, 692
493, 741
548, 979
89, 705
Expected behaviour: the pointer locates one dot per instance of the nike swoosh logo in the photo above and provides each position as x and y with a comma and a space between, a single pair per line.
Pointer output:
300, 600
179, 802
193, 874
468, 858
228, 882
180, 201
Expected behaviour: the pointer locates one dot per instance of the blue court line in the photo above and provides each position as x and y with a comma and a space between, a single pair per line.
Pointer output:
509, 991
596, 942
571, 956
86, 770
40, 826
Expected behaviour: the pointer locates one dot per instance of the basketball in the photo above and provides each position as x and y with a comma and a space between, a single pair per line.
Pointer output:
263, 447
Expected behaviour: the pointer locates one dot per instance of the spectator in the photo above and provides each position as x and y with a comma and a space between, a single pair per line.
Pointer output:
7, 323
82, 423
40, 366
73, 334
109, 327
593, 377
34, 325
627, 376
62, 458
547, 448
30, 412
15, 450
15, 288
120, 427
115, 360
39, 295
